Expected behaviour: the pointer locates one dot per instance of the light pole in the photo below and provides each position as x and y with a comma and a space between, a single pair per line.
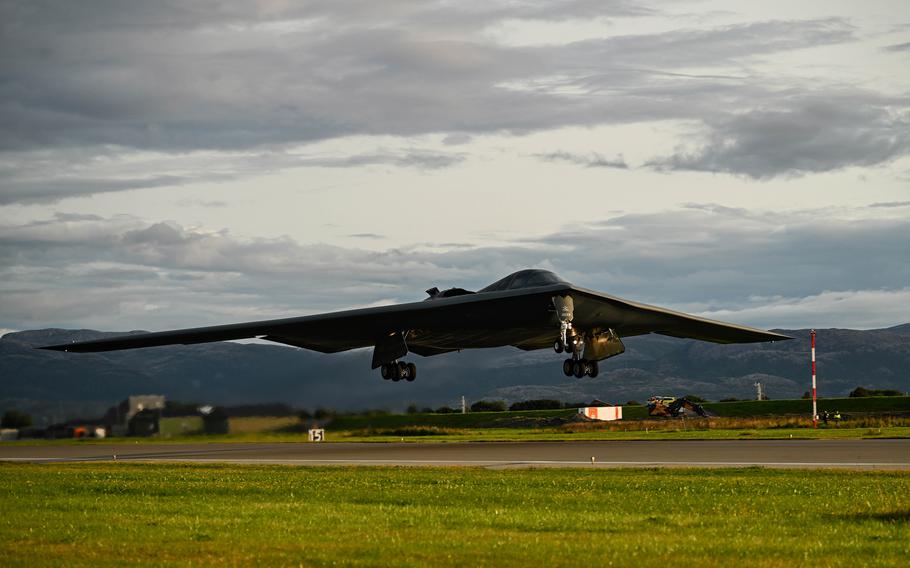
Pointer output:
814, 402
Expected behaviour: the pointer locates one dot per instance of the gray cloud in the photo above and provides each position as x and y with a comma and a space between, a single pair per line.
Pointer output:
36, 181
54, 190
222, 81
100, 15
692, 48
899, 47
770, 269
592, 160
178, 77
891, 204
456, 139
212, 204
718, 257
801, 134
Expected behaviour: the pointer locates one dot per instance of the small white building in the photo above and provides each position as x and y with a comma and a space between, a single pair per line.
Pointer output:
602, 412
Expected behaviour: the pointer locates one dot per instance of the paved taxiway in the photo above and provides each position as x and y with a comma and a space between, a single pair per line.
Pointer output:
859, 454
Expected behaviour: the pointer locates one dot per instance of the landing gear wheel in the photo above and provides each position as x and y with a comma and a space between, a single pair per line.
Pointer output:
593, 369
579, 368
386, 371
567, 367
402, 369
412, 372
558, 347
395, 369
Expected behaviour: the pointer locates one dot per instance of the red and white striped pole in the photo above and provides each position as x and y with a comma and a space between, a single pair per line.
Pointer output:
814, 404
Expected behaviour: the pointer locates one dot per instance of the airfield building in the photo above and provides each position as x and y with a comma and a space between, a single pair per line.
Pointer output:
138, 415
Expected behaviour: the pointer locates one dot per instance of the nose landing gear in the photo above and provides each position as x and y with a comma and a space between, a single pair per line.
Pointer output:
564, 307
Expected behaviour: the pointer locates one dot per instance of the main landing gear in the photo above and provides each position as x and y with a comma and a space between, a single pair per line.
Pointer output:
576, 366
398, 370
580, 367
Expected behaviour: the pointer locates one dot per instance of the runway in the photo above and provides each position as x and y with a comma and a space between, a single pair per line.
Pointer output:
855, 454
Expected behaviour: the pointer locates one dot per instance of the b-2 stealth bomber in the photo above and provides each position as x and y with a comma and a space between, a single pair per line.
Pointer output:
530, 309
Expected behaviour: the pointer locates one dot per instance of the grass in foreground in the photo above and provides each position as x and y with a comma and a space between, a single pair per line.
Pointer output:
111, 514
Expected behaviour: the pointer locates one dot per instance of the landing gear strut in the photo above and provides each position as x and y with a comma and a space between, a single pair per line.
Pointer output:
573, 345
398, 370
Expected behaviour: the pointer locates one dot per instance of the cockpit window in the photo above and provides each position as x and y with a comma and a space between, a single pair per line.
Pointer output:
524, 279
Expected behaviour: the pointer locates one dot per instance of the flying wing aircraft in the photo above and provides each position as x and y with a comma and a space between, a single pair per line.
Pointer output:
530, 309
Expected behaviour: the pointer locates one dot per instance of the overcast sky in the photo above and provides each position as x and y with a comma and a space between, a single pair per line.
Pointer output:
169, 163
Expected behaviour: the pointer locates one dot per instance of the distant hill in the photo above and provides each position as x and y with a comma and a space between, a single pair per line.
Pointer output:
900, 329
54, 385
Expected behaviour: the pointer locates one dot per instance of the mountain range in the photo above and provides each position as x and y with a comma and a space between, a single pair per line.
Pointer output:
53, 386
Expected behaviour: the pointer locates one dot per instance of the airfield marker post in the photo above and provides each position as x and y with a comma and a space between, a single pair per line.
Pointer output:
814, 400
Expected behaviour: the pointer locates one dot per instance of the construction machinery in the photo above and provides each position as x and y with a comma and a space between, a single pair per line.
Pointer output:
672, 407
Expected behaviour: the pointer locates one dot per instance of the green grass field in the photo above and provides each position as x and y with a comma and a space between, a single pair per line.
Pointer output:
675, 431
561, 435
774, 419
778, 407
113, 514
722, 409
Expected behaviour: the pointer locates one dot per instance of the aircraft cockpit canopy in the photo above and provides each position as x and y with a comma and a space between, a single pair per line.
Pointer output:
525, 279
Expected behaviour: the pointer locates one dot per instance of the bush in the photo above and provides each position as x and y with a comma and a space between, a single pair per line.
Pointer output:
412, 409
537, 404
371, 412
16, 419
633, 403
445, 410
729, 399
323, 413
695, 398
860, 392
263, 409
488, 406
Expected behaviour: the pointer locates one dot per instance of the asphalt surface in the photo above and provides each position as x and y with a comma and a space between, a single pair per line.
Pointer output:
853, 454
